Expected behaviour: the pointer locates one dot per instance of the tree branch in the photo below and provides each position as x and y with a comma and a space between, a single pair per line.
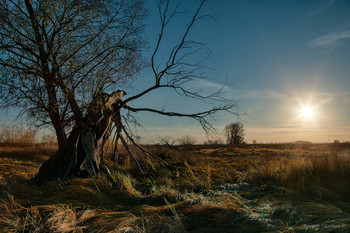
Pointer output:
199, 116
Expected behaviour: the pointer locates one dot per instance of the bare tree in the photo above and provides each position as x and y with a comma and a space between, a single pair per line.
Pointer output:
60, 59
234, 133
56, 56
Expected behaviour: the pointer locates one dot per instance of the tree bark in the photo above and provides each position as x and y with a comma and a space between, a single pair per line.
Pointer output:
55, 115
49, 79
79, 157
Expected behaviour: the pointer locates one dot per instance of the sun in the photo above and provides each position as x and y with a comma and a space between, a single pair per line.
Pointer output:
307, 113
307, 110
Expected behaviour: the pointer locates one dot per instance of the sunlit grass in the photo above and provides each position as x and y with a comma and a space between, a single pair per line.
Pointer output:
206, 190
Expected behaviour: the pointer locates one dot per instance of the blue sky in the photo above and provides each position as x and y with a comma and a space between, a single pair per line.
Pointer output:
272, 57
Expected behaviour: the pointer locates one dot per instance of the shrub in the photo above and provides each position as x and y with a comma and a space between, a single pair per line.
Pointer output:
217, 141
187, 141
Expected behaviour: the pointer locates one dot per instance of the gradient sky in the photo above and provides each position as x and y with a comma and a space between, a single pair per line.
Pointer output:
272, 57
276, 56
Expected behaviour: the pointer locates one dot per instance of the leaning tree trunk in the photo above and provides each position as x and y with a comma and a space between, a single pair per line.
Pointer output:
81, 156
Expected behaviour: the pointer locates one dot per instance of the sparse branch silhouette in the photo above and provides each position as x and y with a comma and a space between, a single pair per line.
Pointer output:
60, 59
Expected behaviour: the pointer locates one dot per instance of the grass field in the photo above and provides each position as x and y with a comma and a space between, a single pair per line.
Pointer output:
209, 189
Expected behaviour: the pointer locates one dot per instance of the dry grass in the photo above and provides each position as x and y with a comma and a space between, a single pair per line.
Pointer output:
44, 218
221, 189
34, 152
16, 135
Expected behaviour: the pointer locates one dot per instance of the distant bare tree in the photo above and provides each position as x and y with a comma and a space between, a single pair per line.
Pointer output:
234, 133
62, 62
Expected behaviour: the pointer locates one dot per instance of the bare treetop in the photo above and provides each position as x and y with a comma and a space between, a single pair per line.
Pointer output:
74, 48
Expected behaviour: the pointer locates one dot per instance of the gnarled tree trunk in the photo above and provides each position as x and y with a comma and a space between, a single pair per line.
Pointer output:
77, 159
80, 157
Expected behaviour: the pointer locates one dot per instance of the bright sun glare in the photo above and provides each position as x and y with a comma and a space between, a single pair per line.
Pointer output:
307, 112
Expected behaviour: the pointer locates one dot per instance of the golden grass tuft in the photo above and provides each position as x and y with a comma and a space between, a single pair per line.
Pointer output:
207, 190
47, 218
